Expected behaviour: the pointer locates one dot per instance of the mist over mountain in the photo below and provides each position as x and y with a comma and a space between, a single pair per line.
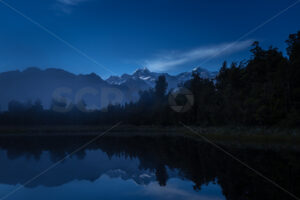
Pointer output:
45, 85
56, 84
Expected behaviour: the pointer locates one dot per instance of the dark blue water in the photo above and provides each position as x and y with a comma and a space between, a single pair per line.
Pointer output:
96, 176
140, 168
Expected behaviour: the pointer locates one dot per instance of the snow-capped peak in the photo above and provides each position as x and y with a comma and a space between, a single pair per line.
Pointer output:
147, 77
143, 70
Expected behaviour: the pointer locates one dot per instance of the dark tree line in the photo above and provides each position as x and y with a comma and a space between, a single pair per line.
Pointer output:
263, 91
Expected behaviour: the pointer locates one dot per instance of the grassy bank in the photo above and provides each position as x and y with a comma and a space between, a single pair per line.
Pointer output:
231, 135
256, 136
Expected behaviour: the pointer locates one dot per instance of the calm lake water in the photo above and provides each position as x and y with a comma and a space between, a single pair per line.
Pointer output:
141, 168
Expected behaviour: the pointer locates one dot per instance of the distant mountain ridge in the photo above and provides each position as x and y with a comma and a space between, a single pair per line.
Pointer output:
149, 78
35, 84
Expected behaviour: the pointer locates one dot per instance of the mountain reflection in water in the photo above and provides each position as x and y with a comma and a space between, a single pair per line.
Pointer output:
142, 168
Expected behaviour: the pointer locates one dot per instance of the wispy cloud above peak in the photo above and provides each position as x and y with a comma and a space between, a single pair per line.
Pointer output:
66, 6
167, 61
71, 2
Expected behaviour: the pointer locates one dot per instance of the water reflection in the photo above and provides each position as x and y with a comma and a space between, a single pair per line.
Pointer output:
142, 168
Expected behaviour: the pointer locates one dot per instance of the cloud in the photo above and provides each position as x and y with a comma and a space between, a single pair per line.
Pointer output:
170, 60
66, 6
71, 2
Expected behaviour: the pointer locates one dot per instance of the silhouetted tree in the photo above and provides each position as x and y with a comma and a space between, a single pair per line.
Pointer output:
293, 85
161, 87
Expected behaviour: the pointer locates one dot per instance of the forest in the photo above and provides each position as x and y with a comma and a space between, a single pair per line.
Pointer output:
262, 91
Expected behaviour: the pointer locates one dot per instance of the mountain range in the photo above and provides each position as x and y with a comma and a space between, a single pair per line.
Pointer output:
146, 79
45, 85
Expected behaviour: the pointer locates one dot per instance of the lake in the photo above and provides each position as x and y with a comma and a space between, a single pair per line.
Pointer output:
141, 168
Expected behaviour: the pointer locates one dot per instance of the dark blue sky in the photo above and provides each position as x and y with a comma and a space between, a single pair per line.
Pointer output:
163, 35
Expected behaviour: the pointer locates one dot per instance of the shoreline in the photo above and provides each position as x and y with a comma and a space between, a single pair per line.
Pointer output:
224, 135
